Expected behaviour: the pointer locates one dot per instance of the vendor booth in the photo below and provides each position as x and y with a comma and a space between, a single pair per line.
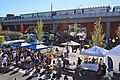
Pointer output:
70, 43
94, 51
113, 59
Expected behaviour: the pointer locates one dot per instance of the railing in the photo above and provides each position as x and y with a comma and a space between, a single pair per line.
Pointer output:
87, 15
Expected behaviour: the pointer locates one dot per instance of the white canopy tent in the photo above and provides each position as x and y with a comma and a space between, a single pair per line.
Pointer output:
70, 43
113, 58
93, 51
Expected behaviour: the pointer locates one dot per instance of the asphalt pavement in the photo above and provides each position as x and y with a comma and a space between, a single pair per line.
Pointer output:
27, 74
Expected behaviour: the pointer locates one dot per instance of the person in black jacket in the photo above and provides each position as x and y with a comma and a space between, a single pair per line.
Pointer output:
119, 67
103, 69
79, 61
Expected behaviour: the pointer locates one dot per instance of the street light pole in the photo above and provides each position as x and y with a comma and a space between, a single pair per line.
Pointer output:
67, 37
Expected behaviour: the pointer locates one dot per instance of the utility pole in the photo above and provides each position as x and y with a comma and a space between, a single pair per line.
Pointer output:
51, 11
67, 36
52, 19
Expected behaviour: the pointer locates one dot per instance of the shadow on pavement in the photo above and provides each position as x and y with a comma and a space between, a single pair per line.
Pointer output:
27, 72
29, 78
4, 70
14, 72
84, 75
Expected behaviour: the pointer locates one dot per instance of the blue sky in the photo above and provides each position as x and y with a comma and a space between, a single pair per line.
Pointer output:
30, 6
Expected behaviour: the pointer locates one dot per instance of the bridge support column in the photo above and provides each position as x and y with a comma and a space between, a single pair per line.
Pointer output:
54, 28
15, 27
107, 30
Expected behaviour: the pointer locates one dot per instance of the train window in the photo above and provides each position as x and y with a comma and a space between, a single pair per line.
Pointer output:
79, 11
107, 10
102, 10
113, 9
116, 8
74, 11
53, 13
35, 15
92, 11
26, 16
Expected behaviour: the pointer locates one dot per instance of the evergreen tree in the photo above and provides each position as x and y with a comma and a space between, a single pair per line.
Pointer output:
97, 35
75, 28
39, 30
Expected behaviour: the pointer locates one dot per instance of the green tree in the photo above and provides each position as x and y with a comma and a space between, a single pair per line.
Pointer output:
20, 35
39, 30
97, 35
27, 38
51, 36
75, 28
2, 39
118, 31
0, 28
15, 35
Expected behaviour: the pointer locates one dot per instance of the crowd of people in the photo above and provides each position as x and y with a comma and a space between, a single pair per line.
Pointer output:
45, 66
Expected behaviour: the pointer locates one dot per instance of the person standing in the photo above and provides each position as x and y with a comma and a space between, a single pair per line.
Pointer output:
99, 72
58, 70
93, 60
76, 74
79, 62
103, 70
119, 67
1, 59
